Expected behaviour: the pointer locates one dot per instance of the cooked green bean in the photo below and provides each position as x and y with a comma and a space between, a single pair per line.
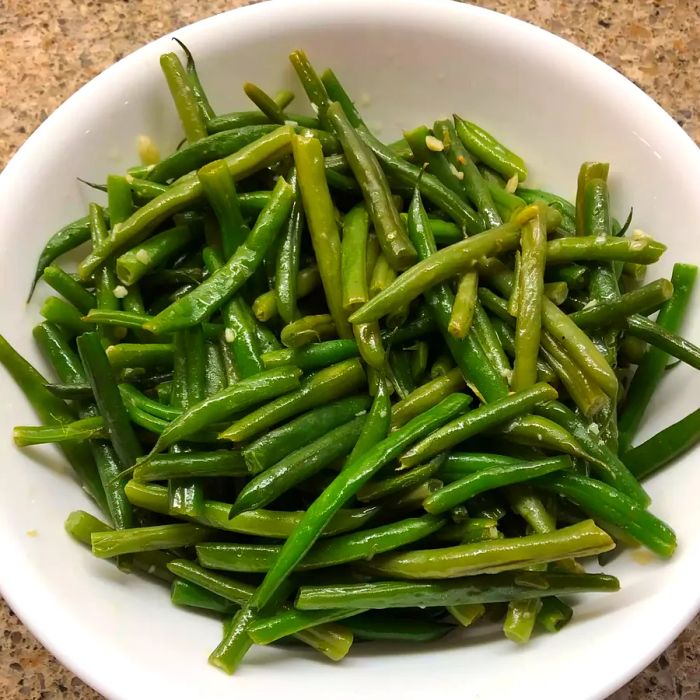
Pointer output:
146, 539
326, 385
651, 367
476, 421
611, 506
297, 467
647, 458
259, 153
261, 523
201, 302
364, 544
493, 556
191, 464
493, 588
394, 242
229, 401
71, 290
490, 478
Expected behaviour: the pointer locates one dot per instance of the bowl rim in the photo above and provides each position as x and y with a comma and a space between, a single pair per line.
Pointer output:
67, 651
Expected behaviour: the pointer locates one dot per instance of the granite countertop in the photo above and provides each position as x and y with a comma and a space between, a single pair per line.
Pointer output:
52, 48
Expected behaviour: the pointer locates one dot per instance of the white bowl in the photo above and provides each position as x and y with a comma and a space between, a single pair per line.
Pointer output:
418, 60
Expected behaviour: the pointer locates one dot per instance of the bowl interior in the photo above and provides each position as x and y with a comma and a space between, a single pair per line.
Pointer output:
405, 64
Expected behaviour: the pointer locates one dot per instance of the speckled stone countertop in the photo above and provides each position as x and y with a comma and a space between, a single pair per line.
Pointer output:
50, 48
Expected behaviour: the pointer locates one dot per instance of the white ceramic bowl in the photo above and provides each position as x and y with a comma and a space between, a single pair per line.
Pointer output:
418, 60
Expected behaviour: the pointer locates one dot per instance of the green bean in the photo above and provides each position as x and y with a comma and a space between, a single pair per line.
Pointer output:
419, 360
246, 393
239, 120
489, 151
266, 306
463, 309
574, 275
288, 286
384, 628
264, 103
472, 589
520, 620
135, 263
542, 433
57, 310
476, 421
316, 356
354, 258
71, 391
364, 544
210, 148
195, 83
274, 445
647, 458
201, 302
83, 429
467, 614
320, 216
290, 621
221, 194
586, 394
344, 486
259, 153
399, 483
64, 240
327, 639
651, 367
297, 466
591, 248
442, 365
564, 207
326, 385
184, 593
184, 98
476, 189
146, 539
644, 300
493, 556
376, 427
460, 464
261, 523
388, 227
55, 346
368, 337
398, 371
490, 478
132, 396
80, 525
440, 266
307, 330
108, 399
611, 506
490, 342
579, 346
312, 85
431, 188
382, 276
428, 150
191, 464
215, 373
71, 290
140, 355
530, 284
663, 340
467, 353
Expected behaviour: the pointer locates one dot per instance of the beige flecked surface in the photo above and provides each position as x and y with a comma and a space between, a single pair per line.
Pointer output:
49, 48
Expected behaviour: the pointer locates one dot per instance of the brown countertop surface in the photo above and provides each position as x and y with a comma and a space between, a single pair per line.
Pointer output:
51, 48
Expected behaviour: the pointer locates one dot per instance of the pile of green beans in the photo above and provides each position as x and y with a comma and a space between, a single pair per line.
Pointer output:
358, 376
